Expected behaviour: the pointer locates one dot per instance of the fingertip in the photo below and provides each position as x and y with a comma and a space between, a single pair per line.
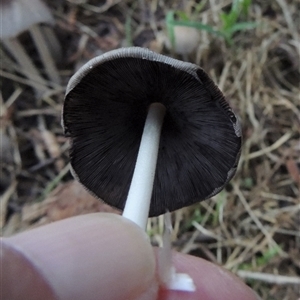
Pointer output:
105, 256
212, 281
30, 286
96, 256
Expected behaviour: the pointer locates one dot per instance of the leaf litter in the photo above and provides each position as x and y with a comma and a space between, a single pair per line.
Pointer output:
253, 226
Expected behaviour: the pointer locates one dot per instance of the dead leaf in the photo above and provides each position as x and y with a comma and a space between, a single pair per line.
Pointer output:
293, 169
67, 200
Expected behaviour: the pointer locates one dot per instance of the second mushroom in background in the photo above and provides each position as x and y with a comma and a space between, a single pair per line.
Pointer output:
18, 16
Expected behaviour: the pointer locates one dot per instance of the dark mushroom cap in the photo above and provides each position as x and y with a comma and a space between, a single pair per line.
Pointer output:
104, 113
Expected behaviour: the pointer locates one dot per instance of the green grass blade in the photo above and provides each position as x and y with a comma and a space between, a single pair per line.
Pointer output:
198, 25
170, 27
241, 27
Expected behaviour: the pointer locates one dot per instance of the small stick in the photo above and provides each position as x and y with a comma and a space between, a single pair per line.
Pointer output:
20, 55
38, 87
4, 201
45, 54
140, 191
270, 278
52, 43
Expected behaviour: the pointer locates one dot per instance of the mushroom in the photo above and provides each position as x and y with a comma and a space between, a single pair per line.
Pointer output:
186, 40
106, 104
21, 15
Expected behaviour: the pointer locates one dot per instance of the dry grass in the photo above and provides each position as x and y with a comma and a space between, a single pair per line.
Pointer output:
252, 227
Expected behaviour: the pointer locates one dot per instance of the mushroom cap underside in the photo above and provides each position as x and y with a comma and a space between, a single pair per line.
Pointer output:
104, 114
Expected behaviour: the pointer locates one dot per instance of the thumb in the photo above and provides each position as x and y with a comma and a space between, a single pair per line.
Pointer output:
77, 258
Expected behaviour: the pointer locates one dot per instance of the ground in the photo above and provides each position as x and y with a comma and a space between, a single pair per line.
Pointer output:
252, 226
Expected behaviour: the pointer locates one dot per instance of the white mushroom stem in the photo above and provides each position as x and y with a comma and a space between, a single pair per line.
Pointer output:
166, 271
45, 54
140, 191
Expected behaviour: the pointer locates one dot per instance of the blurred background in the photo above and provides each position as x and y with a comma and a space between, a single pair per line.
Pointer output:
249, 48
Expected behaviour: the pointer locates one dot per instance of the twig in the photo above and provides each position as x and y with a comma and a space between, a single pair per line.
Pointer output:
253, 216
268, 149
35, 85
9, 102
4, 200
45, 54
50, 187
102, 8
52, 43
205, 231
40, 111
28, 68
50, 143
288, 18
277, 197
270, 278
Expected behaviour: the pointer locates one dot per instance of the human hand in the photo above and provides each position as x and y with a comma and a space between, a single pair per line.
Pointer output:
105, 257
